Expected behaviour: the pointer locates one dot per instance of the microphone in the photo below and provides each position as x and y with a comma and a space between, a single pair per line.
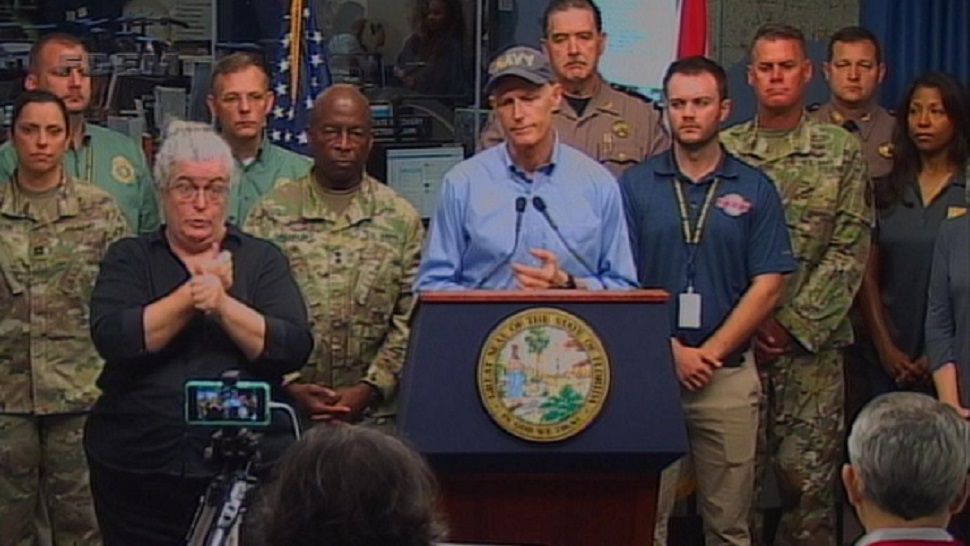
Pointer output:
540, 206
520, 203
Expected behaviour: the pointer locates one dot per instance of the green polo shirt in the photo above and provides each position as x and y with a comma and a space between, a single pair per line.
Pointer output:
111, 161
271, 166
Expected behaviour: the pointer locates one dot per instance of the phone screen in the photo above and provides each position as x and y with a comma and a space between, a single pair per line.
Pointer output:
243, 404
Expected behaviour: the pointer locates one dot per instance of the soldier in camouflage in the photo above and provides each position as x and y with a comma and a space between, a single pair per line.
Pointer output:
53, 232
821, 175
354, 246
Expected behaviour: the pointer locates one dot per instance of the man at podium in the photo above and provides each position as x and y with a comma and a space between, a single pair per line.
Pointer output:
533, 213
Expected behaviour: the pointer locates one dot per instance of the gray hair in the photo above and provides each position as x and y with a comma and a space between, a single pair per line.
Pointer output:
191, 141
910, 452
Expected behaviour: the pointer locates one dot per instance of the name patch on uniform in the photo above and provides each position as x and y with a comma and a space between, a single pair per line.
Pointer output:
733, 204
122, 170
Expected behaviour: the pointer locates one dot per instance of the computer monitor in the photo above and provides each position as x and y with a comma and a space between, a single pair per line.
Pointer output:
416, 172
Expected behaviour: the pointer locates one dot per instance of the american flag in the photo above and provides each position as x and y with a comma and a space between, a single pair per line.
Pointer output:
300, 73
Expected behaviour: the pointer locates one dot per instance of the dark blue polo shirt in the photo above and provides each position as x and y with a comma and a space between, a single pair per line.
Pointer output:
744, 236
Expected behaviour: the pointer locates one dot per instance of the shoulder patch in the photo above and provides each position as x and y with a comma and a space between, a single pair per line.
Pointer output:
122, 170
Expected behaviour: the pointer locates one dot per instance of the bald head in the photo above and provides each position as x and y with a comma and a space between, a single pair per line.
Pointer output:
341, 97
340, 136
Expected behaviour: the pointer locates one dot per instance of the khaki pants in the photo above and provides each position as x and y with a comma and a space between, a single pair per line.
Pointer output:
42, 467
722, 427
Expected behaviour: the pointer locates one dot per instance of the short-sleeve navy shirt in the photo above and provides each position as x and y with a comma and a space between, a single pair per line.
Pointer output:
745, 235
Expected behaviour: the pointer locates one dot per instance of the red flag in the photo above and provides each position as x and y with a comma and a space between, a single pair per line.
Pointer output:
693, 28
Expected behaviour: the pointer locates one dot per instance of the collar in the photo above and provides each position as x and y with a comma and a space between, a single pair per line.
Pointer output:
14, 205
797, 141
546, 169
667, 167
838, 116
85, 138
231, 242
602, 100
905, 533
314, 206
264, 153
864, 119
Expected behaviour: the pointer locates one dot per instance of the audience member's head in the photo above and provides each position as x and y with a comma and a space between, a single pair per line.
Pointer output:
343, 485
908, 462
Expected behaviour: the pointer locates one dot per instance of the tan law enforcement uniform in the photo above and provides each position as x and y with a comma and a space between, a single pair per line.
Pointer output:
616, 129
874, 128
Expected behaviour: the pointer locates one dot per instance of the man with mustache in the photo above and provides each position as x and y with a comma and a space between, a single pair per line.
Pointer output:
614, 128
854, 72
240, 101
59, 64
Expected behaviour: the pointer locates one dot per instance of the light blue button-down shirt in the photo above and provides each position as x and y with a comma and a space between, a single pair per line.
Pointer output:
472, 236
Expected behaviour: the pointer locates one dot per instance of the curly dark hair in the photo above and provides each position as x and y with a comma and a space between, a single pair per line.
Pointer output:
907, 162
344, 485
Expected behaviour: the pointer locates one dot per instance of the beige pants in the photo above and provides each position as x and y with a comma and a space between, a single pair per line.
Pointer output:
722, 429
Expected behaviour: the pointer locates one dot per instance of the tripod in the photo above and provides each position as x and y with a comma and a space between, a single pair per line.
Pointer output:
220, 511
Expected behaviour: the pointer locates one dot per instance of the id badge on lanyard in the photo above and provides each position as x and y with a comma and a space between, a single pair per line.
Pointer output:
689, 303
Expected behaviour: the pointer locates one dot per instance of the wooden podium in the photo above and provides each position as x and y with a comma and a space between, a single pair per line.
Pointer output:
595, 487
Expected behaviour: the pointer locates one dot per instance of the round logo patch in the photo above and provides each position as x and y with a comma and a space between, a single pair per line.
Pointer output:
543, 375
733, 204
122, 170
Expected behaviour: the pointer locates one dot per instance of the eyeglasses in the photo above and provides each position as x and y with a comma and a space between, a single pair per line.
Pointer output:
184, 191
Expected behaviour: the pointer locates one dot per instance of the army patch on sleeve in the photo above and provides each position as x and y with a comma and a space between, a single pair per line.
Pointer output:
122, 169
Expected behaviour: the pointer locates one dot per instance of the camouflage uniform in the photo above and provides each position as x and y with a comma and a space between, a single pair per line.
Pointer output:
111, 161
48, 365
616, 129
356, 270
821, 176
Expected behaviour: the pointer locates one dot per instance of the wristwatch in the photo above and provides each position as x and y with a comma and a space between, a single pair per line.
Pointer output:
570, 281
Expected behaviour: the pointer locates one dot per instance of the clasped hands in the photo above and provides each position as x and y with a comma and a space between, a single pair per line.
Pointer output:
546, 275
322, 403
211, 280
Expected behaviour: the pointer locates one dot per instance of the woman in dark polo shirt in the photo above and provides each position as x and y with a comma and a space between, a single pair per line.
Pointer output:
926, 186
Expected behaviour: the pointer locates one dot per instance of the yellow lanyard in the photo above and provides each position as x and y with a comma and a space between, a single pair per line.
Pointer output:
693, 237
